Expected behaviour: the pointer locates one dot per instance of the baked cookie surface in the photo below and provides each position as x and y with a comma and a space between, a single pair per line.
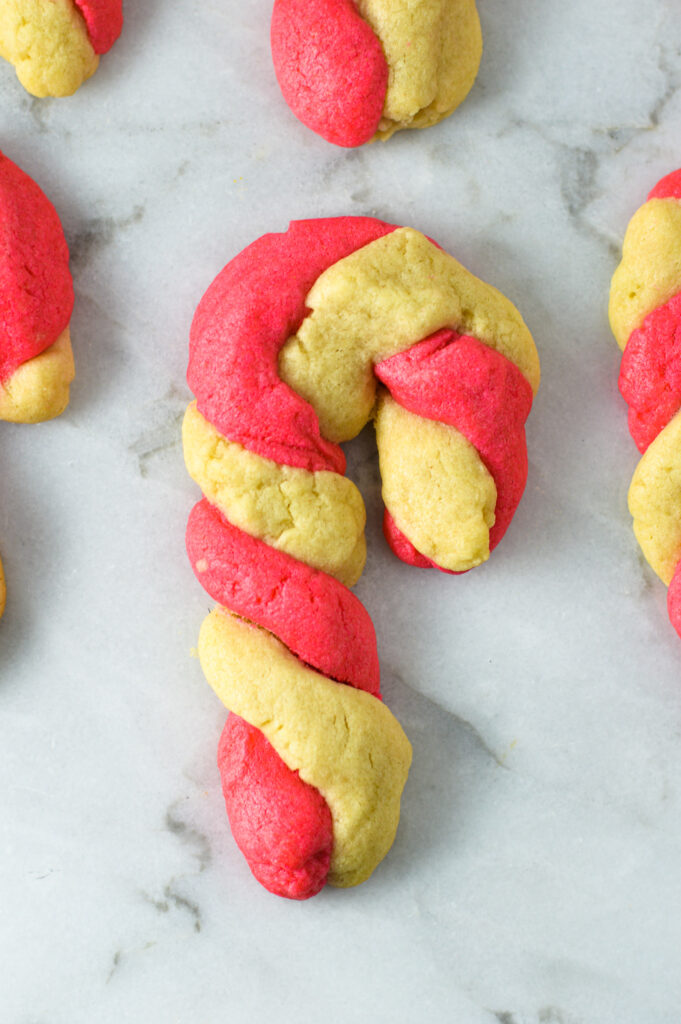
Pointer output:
359, 71
55, 45
299, 341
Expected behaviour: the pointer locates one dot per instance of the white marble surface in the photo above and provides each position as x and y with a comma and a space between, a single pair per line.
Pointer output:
536, 878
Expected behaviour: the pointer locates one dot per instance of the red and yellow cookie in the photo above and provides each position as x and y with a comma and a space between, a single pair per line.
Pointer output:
55, 45
298, 342
645, 316
36, 300
355, 71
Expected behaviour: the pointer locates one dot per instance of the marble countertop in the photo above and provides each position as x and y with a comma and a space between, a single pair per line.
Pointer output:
536, 877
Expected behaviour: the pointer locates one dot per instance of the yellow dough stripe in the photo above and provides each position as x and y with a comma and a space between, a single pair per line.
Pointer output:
38, 389
48, 44
317, 518
655, 501
433, 53
649, 274
436, 487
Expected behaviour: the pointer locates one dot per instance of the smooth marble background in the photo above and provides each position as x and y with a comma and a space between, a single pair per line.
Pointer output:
536, 877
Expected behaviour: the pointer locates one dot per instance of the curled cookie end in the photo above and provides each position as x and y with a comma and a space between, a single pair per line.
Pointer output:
38, 390
48, 45
401, 546
442, 498
342, 741
281, 824
461, 382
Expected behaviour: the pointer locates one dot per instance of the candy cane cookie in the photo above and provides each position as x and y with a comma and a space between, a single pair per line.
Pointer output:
298, 342
36, 300
356, 71
55, 45
645, 316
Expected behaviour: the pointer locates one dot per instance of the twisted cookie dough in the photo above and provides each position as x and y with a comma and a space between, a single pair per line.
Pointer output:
357, 71
36, 300
287, 348
645, 316
55, 45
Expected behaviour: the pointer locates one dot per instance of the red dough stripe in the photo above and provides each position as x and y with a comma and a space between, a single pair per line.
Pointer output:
36, 291
650, 372
668, 187
236, 337
330, 67
458, 380
282, 825
404, 549
104, 20
317, 618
